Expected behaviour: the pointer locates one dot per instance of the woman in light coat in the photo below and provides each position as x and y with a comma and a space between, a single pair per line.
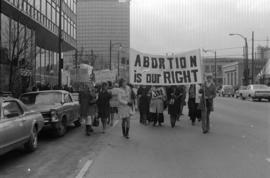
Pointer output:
157, 105
125, 104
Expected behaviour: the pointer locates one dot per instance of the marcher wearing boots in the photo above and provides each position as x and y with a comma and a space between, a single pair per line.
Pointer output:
84, 98
124, 97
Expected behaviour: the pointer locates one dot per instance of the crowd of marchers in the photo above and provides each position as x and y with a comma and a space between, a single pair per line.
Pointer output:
104, 102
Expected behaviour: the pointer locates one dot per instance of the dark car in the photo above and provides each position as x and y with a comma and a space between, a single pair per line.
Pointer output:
18, 125
227, 90
57, 107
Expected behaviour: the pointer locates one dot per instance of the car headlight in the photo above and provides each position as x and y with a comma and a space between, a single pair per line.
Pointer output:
54, 116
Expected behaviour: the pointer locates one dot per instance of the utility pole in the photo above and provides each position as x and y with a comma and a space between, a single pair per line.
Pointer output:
60, 46
246, 67
118, 65
76, 64
110, 54
215, 67
252, 69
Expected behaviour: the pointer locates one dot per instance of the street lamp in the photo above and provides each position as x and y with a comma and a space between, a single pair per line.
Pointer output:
246, 71
111, 46
215, 53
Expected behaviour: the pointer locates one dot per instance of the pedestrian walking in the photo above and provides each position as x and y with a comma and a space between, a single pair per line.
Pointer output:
182, 94
193, 103
114, 103
208, 91
125, 104
174, 101
157, 104
143, 103
84, 99
103, 103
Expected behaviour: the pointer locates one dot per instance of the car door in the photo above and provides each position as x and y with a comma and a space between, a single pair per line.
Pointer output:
11, 124
75, 107
68, 107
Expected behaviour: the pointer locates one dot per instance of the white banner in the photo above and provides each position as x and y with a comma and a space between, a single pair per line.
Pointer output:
105, 75
180, 69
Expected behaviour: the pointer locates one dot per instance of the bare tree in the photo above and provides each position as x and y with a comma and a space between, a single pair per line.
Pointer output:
22, 52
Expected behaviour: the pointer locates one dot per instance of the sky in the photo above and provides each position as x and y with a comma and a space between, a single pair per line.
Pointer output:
173, 26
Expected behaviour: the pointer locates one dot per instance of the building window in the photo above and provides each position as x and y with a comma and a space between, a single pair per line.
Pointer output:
43, 7
37, 5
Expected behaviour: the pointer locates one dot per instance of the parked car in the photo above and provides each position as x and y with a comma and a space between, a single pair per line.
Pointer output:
57, 107
226, 90
18, 125
258, 92
240, 91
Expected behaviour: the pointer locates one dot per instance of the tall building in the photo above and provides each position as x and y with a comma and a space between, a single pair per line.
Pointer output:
101, 22
29, 40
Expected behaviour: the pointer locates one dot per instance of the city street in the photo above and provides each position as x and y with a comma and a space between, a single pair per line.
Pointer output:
236, 147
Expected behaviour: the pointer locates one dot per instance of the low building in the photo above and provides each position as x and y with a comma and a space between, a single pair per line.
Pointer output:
209, 67
233, 72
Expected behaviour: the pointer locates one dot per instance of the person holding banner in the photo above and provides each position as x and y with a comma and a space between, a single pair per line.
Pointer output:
125, 104
208, 91
157, 105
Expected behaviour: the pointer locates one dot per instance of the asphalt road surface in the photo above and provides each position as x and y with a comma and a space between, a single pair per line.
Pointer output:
237, 147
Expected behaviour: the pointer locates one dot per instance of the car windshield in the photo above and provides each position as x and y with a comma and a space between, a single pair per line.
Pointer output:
260, 87
41, 98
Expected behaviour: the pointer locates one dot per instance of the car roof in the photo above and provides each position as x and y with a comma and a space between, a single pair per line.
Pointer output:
47, 91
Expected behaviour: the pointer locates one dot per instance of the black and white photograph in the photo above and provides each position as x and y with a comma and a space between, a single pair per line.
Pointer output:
134, 88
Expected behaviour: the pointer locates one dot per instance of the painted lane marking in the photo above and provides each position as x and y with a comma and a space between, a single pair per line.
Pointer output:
84, 169
268, 160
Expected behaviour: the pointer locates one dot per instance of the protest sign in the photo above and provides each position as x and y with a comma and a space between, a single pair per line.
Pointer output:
105, 75
158, 93
180, 69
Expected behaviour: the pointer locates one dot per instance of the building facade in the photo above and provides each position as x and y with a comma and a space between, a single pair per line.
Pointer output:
233, 72
209, 67
29, 40
104, 26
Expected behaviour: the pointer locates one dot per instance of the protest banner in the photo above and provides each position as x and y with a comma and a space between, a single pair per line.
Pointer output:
105, 75
180, 69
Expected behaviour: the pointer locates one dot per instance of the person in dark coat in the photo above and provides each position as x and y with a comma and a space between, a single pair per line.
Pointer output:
143, 103
193, 102
174, 101
84, 99
103, 104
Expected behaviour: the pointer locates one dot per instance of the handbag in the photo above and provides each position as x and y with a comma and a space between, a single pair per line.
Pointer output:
96, 122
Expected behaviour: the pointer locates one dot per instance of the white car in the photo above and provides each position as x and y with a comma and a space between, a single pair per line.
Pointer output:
240, 91
257, 91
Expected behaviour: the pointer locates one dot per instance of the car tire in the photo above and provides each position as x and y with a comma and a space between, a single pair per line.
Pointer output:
259, 99
78, 123
61, 128
32, 144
